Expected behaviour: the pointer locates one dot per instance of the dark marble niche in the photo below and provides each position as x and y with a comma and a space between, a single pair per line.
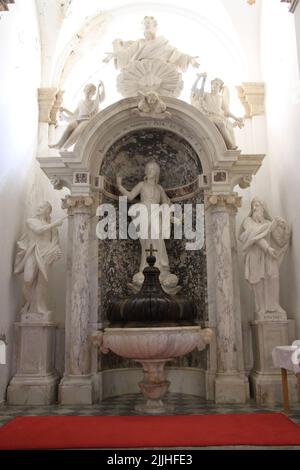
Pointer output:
119, 259
178, 161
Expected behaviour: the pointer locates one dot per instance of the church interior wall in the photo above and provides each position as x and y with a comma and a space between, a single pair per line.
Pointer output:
23, 184
280, 71
297, 25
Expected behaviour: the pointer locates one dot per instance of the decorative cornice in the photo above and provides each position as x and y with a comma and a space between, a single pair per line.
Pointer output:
4, 4
252, 97
224, 201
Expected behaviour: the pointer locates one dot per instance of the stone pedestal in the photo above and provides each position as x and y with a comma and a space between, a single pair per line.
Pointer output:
265, 378
35, 382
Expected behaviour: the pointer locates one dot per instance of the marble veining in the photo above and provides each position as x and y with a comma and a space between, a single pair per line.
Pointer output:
178, 161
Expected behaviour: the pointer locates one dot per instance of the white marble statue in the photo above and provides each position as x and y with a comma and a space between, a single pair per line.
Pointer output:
215, 105
149, 64
151, 192
264, 241
86, 110
37, 249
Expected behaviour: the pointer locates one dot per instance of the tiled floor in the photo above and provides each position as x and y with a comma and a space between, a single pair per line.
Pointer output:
124, 405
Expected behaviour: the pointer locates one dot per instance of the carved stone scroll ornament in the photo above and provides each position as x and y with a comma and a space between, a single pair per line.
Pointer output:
229, 201
78, 203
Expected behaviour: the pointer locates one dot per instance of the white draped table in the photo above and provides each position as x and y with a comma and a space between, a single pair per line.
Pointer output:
284, 358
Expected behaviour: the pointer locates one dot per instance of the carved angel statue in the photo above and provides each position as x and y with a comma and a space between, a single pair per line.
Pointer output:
79, 119
264, 241
216, 106
149, 64
37, 249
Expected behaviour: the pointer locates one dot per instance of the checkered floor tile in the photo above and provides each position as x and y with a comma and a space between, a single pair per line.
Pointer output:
125, 405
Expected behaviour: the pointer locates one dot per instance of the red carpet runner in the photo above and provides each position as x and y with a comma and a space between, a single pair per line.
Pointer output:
83, 432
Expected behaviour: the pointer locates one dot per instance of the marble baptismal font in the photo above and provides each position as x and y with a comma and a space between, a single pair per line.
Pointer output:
152, 328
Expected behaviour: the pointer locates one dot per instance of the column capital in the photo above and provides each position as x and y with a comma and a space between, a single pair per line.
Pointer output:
79, 204
46, 99
224, 201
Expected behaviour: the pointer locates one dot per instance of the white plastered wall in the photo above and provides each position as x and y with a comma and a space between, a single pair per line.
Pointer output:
278, 181
22, 183
280, 71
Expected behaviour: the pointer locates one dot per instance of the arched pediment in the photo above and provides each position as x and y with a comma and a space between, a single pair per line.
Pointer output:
123, 117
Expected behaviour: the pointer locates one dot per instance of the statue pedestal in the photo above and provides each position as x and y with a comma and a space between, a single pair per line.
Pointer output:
265, 378
35, 382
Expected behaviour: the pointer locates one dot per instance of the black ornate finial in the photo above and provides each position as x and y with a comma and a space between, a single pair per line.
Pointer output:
151, 258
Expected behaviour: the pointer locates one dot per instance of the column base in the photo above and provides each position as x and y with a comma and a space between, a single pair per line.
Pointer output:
76, 390
231, 388
32, 390
267, 388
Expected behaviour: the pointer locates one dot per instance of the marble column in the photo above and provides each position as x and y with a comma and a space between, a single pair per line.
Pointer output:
231, 385
77, 386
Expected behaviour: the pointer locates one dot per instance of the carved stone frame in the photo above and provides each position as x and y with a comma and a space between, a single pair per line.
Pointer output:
225, 378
